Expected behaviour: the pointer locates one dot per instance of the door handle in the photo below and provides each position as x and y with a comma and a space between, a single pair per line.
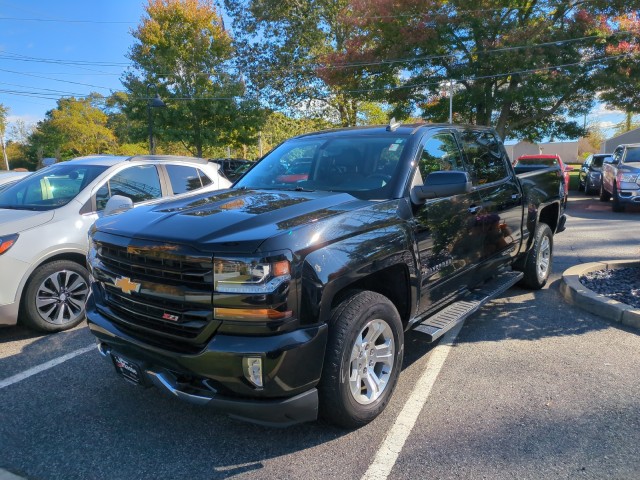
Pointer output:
473, 210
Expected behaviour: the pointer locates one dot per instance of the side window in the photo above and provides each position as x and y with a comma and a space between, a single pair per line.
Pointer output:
183, 178
139, 183
204, 178
440, 152
485, 159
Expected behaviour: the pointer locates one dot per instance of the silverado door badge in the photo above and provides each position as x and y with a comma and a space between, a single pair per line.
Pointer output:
126, 285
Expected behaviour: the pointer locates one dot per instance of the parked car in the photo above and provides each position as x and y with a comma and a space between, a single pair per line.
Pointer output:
621, 177
591, 173
296, 172
230, 166
277, 302
44, 220
9, 178
534, 162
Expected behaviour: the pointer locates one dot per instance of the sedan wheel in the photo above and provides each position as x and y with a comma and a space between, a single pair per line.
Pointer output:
56, 296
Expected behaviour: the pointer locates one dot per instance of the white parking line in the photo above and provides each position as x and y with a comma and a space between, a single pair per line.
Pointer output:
45, 366
388, 452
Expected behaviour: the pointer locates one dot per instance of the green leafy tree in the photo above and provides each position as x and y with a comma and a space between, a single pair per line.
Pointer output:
525, 67
284, 46
75, 127
182, 53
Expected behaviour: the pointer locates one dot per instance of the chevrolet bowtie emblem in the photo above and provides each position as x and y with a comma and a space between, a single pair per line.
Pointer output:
126, 285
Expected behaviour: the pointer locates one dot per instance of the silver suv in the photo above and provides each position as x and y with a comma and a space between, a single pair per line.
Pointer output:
45, 218
621, 177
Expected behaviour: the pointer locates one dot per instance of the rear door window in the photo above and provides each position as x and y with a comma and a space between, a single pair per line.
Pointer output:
183, 178
486, 159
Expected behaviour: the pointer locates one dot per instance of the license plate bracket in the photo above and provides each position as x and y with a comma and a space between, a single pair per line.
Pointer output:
130, 370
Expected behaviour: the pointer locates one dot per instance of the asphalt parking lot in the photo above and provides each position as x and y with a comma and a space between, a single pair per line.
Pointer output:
530, 387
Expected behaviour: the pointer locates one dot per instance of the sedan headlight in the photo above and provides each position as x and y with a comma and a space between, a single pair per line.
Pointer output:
250, 275
7, 241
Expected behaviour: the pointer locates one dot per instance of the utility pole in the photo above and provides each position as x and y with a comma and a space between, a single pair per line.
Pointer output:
450, 101
4, 151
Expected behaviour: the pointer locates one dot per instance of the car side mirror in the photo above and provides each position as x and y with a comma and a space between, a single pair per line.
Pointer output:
117, 204
441, 184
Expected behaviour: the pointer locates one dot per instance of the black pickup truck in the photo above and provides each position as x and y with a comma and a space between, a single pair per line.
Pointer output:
287, 296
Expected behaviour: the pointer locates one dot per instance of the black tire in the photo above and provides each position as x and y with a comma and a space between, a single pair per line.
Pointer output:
582, 187
55, 296
616, 206
538, 265
342, 389
604, 195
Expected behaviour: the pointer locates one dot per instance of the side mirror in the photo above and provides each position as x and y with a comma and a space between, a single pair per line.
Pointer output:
117, 204
441, 184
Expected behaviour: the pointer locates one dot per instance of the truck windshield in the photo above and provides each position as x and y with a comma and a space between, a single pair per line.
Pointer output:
364, 165
633, 155
50, 188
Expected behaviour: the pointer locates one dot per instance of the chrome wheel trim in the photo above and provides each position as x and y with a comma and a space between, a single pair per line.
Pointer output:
544, 257
61, 297
371, 362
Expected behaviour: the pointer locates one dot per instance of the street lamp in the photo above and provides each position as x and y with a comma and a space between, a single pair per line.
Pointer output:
155, 102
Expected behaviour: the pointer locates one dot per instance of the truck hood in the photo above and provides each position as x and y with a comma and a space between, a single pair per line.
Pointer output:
16, 221
232, 220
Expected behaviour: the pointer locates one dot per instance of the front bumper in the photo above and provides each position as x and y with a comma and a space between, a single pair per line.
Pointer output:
629, 196
292, 364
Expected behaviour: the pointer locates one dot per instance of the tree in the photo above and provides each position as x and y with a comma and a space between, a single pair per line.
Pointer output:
621, 79
75, 127
526, 68
182, 52
283, 44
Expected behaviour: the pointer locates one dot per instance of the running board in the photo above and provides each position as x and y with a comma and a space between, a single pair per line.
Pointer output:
440, 323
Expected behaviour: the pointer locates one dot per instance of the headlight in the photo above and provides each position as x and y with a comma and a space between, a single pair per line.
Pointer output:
250, 275
627, 177
7, 241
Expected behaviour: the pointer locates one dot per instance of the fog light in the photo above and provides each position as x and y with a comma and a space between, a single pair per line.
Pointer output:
253, 370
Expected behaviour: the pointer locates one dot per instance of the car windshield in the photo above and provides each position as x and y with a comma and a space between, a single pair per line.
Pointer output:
50, 188
633, 155
363, 165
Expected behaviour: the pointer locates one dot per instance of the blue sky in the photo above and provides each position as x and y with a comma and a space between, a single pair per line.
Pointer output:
55, 48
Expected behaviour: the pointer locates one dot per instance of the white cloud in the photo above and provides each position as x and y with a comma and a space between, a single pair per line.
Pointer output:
601, 109
27, 119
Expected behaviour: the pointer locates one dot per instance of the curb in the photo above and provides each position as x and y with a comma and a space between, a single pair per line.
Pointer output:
577, 294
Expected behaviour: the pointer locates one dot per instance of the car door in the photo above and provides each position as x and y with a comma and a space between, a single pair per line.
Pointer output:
498, 223
444, 233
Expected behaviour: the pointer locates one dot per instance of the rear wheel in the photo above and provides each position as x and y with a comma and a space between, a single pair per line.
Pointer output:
55, 297
538, 265
616, 206
604, 195
362, 361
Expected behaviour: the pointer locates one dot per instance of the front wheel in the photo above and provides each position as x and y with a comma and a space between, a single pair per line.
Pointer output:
55, 297
538, 265
362, 361
616, 206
